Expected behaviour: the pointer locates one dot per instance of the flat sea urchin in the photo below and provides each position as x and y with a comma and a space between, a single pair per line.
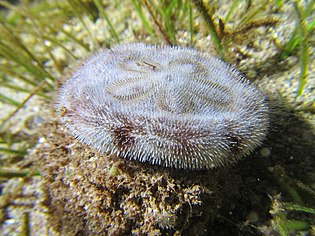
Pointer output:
171, 106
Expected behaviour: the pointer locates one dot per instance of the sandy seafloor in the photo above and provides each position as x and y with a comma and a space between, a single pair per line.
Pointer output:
287, 154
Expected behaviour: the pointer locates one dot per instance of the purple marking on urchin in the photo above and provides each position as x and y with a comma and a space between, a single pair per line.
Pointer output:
171, 106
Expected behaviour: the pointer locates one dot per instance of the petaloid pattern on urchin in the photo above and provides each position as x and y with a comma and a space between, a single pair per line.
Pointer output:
171, 106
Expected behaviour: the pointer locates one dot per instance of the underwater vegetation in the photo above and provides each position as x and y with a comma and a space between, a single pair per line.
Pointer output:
272, 193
